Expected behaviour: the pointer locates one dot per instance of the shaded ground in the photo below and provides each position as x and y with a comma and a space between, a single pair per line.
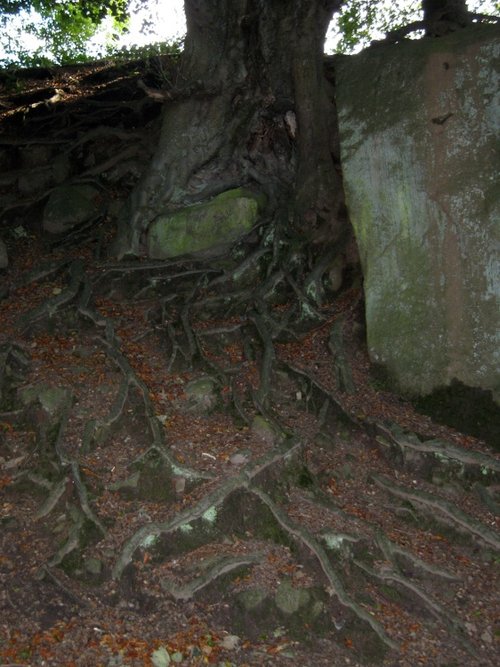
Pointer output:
283, 511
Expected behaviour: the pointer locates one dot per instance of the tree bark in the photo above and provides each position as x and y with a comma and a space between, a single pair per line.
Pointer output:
251, 107
443, 16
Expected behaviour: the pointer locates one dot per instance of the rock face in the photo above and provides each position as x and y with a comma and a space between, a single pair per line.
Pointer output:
206, 227
419, 128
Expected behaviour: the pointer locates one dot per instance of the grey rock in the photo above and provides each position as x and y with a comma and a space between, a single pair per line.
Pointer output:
201, 395
264, 429
487, 636
421, 179
252, 598
69, 206
131, 482
93, 566
160, 657
240, 458
52, 399
204, 228
290, 599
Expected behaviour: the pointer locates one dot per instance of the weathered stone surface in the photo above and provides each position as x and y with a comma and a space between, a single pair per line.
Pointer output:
130, 483
160, 657
263, 429
51, 399
290, 599
4, 258
419, 128
201, 395
206, 227
39, 178
252, 598
44, 408
93, 566
69, 206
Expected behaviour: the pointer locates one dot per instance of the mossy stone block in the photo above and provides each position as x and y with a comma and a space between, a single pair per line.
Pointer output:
207, 227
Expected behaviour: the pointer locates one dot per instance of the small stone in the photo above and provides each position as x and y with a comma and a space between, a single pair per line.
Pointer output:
19, 232
12, 463
230, 642
347, 472
487, 637
264, 429
252, 598
93, 566
290, 599
160, 657
180, 485
69, 206
6, 562
53, 399
131, 482
201, 395
239, 459
9, 522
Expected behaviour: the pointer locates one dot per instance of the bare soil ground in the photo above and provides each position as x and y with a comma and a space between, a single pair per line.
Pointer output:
143, 521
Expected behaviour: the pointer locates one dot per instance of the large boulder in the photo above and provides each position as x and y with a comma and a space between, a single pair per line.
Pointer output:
419, 135
70, 206
208, 227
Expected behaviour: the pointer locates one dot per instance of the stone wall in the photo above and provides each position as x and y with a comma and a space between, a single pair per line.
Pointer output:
419, 126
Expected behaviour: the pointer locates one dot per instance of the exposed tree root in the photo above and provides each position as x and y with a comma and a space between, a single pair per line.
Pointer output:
468, 463
51, 306
442, 614
318, 399
131, 378
47, 572
223, 566
211, 500
444, 507
53, 498
345, 559
74, 478
335, 585
391, 551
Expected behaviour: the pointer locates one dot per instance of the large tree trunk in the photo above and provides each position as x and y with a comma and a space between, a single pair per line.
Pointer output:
251, 107
443, 16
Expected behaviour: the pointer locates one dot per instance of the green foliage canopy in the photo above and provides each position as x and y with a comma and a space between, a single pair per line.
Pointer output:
95, 10
63, 27
360, 21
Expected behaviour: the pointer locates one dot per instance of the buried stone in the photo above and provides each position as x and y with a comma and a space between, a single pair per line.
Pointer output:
201, 396
70, 206
207, 228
